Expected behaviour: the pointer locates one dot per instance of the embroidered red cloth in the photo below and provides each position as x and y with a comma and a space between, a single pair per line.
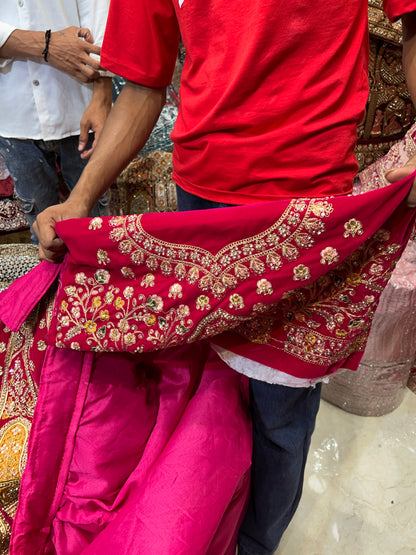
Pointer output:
297, 282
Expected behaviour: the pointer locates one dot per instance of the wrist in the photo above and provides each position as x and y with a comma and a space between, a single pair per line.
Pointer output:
24, 43
102, 90
82, 202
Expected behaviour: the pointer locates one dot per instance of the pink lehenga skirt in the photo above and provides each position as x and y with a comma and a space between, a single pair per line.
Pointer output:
140, 440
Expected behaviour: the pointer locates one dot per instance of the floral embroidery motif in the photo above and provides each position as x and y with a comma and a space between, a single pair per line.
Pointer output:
13, 443
96, 223
329, 255
18, 391
148, 281
175, 291
352, 228
127, 272
236, 301
102, 257
101, 276
264, 287
202, 303
301, 273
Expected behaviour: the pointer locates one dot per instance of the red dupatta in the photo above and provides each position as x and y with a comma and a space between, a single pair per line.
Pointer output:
290, 284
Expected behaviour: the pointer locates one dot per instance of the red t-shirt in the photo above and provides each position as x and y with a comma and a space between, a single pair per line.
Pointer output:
271, 90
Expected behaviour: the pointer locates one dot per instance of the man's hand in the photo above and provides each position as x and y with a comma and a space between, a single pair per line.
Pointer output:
51, 248
70, 51
400, 173
95, 115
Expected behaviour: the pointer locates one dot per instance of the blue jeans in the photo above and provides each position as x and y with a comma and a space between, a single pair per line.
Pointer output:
33, 167
283, 422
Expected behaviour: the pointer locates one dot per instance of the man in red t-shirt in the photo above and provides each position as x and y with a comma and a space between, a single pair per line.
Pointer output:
271, 94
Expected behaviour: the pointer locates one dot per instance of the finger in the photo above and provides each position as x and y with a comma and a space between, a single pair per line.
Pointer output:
88, 72
84, 135
396, 174
91, 59
85, 33
87, 153
49, 255
93, 49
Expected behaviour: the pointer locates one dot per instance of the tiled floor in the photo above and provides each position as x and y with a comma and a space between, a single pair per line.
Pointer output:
360, 486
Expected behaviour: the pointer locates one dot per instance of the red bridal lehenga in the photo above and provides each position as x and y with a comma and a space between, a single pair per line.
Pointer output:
133, 434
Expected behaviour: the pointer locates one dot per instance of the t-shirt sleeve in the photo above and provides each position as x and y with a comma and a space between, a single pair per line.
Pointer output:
141, 41
396, 8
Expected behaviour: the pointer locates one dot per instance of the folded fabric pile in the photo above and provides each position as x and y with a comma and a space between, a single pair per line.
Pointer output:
12, 217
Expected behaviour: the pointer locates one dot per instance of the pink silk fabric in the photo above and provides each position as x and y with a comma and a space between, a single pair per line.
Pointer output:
144, 453
290, 284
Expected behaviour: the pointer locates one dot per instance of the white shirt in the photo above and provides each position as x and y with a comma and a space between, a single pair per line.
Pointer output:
263, 373
38, 101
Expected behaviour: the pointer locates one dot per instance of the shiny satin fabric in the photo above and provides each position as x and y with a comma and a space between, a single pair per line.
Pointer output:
131, 453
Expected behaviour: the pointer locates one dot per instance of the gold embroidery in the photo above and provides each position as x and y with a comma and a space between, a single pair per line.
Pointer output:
102, 257
264, 287
96, 223
88, 309
235, 262
352, 228
329, 255
328, 320
13, 444
13, 455
88, 306
301, 273
18, 390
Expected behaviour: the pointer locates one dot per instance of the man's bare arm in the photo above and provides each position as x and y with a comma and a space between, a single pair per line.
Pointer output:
125, 132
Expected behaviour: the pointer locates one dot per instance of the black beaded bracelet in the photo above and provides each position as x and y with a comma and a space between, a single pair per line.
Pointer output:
47, 39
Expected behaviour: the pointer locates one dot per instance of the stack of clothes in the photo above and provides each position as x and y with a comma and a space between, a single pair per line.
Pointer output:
12, 217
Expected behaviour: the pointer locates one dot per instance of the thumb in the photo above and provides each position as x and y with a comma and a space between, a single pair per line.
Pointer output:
396, 174
83, 137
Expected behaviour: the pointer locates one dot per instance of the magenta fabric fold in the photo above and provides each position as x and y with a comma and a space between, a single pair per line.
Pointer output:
290, 284
135, 454
19, 299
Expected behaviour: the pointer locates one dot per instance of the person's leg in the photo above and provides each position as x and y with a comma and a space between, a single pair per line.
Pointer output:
72, 165
32, 168
283, 422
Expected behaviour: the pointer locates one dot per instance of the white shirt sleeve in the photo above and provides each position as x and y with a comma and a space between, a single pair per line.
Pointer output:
5, 31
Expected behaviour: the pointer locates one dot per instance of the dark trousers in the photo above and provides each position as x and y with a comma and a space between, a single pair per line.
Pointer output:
283, 422
32, 166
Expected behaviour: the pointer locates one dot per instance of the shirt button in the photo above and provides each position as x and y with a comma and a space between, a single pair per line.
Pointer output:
35, 82
20, 2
